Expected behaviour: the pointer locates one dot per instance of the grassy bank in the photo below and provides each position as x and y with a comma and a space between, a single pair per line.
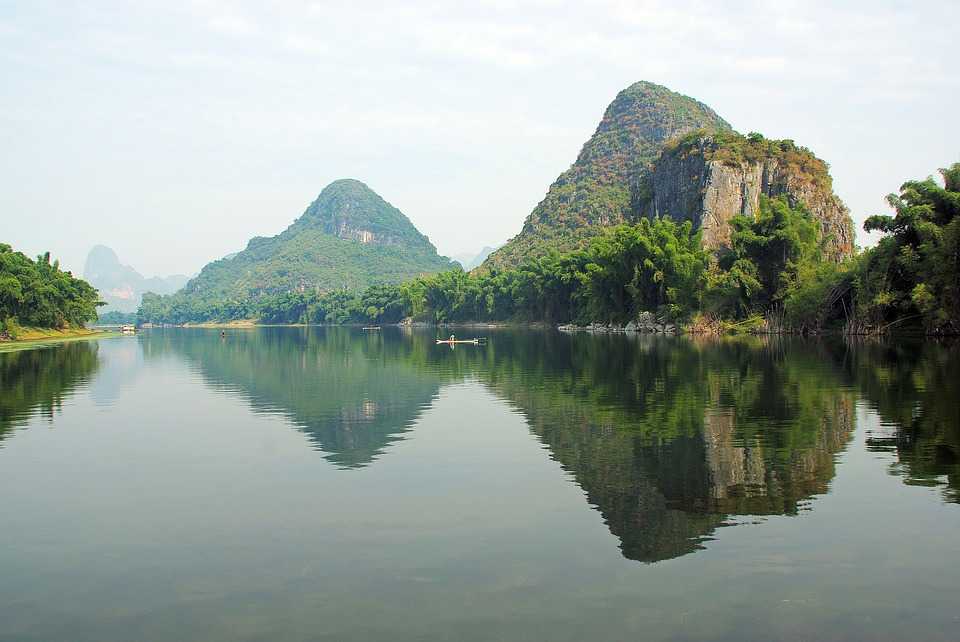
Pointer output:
37, 337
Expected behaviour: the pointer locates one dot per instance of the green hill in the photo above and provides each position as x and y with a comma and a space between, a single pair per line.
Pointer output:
660, 153
348, 238
600, 188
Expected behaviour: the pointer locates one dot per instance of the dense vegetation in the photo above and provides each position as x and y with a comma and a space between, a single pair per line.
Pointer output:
656, 265
909, 281
773, 277
115, 317
914, 272
37, 293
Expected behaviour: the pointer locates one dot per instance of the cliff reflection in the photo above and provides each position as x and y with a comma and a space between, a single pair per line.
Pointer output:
671, 438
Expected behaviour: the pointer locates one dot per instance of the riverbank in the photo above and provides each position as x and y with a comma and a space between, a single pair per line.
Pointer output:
28, 338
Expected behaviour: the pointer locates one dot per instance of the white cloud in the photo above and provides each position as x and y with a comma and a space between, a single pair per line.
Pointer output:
233, 25
305, 44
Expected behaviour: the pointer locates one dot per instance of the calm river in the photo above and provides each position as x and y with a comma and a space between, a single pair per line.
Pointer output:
334, 484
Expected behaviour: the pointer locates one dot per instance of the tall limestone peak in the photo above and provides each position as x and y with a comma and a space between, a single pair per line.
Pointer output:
635, 126
121, 286
600, 188
101, 259
349, 237
350, 210
660, 153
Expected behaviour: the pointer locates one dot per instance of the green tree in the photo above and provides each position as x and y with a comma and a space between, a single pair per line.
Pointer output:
38, 293
914, 272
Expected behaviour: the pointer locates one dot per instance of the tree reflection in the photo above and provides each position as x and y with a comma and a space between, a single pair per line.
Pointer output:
40, 380
670, 438
914, 387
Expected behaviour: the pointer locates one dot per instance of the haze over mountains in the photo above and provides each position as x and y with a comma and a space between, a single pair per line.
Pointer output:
469, 260
121, 286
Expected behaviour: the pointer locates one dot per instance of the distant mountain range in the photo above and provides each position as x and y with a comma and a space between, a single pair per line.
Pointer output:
121, 286
470, 261
349, 237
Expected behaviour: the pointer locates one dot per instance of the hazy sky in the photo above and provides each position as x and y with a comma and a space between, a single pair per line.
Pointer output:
175, 131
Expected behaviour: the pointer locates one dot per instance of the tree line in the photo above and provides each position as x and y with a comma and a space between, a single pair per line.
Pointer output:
773, 276
37, 293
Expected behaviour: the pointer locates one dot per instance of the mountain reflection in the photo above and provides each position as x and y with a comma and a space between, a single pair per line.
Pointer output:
40, 380
671, 438
351, 394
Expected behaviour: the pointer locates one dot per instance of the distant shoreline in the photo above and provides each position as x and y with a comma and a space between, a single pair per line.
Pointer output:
250, 323
661, 329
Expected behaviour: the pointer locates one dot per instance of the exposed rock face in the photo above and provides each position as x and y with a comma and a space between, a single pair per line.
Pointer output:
741, 477
657, 152
696, 181
599, 188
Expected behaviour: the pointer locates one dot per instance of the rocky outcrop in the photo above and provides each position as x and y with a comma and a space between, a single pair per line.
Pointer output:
710, 179
645, 323
657, 152
747, 476
598, 189
733, 469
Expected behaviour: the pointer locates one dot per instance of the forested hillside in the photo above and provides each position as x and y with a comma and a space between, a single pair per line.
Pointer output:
660, 153
657, 265
348, 238
37, 293
771, 276
600, 188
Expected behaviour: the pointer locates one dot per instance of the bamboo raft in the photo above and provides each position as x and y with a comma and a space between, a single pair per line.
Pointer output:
453, 341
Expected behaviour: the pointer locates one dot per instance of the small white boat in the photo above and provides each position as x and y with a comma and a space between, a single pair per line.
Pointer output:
452, 340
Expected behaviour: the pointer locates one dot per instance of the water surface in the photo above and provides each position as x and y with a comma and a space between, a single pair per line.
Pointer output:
332, 484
